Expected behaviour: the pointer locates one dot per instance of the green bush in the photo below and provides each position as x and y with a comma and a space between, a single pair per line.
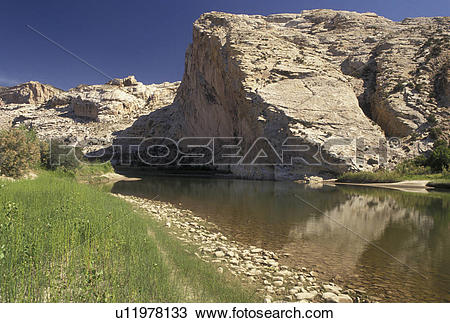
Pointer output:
435, 133
413, 167
440, 156
432, 119
436, 164
381, 176
19, 152
56, 154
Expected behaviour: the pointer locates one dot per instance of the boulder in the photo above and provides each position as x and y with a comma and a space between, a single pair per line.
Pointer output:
330, 297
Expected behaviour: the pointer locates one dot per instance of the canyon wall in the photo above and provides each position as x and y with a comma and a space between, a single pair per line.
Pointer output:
320, 77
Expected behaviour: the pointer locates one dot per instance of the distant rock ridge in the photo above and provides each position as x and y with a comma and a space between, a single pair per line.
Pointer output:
118, 96
318, 75
90, 114
31, 92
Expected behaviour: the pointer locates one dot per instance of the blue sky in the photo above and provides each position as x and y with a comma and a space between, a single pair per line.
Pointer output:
144, 38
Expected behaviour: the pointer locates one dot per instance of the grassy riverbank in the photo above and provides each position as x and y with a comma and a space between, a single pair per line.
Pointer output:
392, 177
433, 168
61, 241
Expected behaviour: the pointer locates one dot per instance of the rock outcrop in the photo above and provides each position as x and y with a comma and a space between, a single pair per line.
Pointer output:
322, 77
117, 97
28, 93
91, 115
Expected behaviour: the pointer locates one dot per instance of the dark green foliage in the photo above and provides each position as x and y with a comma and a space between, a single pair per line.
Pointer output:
418, 87
432, 119
421, 167
19, 151
57, 154
440, 156
435, 133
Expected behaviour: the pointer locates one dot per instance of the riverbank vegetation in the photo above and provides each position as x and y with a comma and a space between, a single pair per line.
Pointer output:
434, 167
64, 241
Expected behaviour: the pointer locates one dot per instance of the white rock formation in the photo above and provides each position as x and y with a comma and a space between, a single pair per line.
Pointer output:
315, 76
91, 115
28, 93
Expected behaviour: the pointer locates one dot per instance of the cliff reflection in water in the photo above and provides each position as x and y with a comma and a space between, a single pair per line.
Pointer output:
414, 228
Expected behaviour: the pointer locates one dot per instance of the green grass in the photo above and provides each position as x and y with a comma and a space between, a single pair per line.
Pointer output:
91, 172
390, 177
370, 177
434, 167
61, 241
88, 169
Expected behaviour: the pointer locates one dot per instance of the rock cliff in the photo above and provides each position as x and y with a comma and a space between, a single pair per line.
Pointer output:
91, 115
28, 93
317, 76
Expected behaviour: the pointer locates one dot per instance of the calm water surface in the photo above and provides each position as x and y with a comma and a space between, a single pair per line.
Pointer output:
413, 227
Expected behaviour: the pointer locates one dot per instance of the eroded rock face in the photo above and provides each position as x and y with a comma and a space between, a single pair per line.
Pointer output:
117, 97
91, 115
317, 76
28, 93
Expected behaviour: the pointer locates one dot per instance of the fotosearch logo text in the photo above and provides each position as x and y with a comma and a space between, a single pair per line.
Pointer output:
219, 151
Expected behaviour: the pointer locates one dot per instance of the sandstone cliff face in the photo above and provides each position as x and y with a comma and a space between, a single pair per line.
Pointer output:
28, 93
91, 115
117, 97
315, 76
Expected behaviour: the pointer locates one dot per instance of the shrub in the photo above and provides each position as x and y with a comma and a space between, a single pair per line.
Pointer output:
380, 176
432, 119
414, 136
416, 166
435, 133
398, 87
440, 156
57, 154
418, 87
19, 151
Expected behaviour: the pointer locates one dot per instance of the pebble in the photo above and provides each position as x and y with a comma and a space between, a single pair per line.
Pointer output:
230, 254
268, 299
332, 289
307, 296
219, 254
234, 261
330, 297
344, 299
285, 273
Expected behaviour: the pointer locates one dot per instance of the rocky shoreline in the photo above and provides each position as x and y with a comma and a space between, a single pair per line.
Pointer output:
254, 266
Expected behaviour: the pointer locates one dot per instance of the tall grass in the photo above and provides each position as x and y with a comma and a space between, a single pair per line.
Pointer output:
435, 167
61, 241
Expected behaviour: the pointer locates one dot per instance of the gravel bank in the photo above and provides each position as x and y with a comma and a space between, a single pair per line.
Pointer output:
252, 265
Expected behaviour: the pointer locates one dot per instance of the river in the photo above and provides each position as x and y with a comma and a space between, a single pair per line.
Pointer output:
394, 245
